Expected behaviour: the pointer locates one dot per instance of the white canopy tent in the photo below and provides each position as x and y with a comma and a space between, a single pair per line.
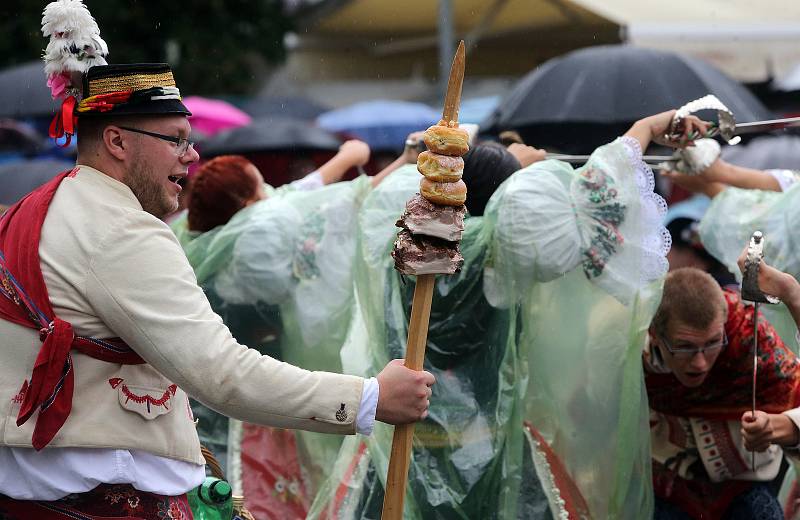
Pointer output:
346, 50
751, 41
789, 81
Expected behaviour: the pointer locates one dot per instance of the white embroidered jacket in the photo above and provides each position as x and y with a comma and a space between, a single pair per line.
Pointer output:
113, 270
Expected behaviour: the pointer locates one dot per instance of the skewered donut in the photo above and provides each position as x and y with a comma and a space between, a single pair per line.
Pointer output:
446, 141
440, 168
445, 193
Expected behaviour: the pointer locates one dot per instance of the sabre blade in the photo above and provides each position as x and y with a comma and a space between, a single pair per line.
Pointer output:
755, 372
755, 127
583, 158
752, 292
452, 100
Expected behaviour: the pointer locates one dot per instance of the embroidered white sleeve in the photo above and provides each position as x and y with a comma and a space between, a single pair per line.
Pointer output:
786, 178
657, 243
369, 405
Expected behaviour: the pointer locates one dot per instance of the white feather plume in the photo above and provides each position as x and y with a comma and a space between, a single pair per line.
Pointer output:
75, 43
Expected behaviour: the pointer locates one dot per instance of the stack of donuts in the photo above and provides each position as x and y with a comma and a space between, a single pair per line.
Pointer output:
434, 218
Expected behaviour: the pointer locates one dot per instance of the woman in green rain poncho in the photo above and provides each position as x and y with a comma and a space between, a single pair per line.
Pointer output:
535, 344
276, 266
745, 200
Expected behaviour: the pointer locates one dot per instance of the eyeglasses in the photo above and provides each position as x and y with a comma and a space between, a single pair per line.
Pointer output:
686, 353
182, 144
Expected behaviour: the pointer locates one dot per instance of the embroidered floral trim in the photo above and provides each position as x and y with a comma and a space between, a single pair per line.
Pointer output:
139, 399
656, 244
19, 398
9, 290
171, 509
304, 266
606, 213
287, 490
121, 494
119, 501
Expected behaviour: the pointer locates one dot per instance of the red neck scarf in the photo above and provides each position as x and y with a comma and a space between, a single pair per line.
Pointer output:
24, 300
726, 392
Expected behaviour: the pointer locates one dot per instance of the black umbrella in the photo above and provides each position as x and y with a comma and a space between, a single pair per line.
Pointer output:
587, 97
268, 134
18, 178
17, 137
24, 92
284, 107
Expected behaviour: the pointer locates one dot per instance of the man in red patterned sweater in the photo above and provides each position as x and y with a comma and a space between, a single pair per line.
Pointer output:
698, 374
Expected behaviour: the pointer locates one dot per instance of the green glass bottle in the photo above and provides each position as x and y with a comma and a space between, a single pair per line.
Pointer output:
211, 500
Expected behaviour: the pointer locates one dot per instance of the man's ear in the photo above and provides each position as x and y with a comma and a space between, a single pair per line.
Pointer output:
116, 142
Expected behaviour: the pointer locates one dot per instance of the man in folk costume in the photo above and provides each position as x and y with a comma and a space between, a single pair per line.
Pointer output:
103, 328
698, 374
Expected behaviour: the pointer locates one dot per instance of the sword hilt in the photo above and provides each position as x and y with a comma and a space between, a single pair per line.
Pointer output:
752, 263
725, 127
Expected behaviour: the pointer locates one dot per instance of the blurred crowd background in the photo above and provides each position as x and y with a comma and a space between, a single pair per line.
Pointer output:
285, 82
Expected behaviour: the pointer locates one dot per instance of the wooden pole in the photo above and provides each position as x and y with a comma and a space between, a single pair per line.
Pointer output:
400, 457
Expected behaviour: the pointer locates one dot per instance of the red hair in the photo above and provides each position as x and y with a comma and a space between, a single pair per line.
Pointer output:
219, 189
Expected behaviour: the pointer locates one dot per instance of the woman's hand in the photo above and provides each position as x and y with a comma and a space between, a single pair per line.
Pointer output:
526, 155
772, 281
694, 183
655, 128
413, 147
355, 152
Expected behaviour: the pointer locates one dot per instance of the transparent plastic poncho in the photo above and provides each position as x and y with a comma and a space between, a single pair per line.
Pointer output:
539, 407
729, 223
279, 273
